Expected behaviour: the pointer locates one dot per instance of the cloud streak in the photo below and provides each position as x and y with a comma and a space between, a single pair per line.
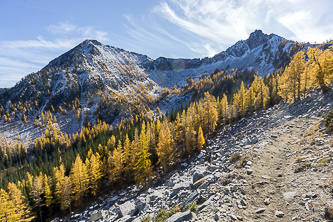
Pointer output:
20, 57
210, 26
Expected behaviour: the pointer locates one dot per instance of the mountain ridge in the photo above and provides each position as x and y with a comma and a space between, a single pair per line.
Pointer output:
100, 76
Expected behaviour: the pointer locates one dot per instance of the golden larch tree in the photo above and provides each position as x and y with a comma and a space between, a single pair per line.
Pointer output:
201, 139
143, 165
79, 179
165, 147
94, 173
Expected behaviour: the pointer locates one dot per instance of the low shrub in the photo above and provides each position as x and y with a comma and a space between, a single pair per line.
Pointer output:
235, 157
191, 206
328, 121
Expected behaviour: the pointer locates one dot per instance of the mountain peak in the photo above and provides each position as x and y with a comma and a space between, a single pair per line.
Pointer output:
257, 38
256, 33
90, 42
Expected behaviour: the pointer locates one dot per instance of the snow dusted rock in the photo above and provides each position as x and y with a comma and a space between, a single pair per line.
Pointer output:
181, 216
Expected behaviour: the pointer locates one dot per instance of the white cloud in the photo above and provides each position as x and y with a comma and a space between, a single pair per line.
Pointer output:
63, 27
210, 26
13, 70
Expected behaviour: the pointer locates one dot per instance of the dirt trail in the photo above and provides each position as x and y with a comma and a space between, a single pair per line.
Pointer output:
273, 185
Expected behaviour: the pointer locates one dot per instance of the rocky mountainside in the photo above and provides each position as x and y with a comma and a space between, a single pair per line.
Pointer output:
260, 52
109, 83
272, 166
92, 65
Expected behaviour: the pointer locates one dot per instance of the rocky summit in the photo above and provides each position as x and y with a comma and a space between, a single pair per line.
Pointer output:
272, 166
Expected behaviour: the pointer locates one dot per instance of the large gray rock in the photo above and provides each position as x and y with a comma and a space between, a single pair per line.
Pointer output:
197, 176
181, 216
193, 197
205, 204
141, 203
178, 187
97, 215
279, 213
289, 195
260, 210
205, 180
157, 194
127, 218
127, 208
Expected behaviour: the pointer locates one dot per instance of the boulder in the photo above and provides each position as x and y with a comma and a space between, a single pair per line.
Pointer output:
126, 218
260, 210
178, 187
191, 198
289, 195
197, 176
127, 208
181, 216
199, 183
96, 215
279, 214
157, 194
140, 203
204, 186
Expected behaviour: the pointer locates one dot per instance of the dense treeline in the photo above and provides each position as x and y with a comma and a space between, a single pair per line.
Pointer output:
66, 169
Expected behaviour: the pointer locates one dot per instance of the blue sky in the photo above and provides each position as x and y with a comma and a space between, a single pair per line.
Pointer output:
33, 32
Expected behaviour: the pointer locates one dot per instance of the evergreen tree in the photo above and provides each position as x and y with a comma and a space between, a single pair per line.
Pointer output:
66, 195
292, 78
47, 192
36, 192
190, 141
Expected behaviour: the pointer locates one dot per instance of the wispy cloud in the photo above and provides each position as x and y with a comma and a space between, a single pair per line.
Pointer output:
63, 27
210, 26
21, 57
